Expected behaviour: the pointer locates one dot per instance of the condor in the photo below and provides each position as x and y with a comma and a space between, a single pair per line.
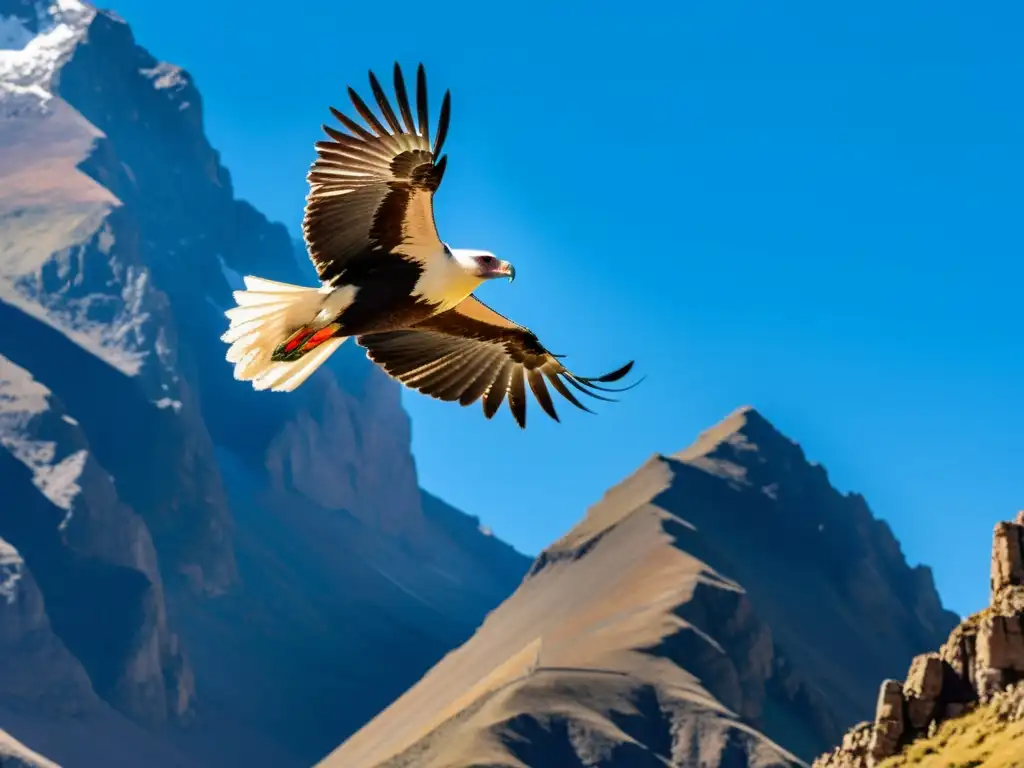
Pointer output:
389, 282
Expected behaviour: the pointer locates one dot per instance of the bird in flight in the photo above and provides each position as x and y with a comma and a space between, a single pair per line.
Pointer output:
389, 282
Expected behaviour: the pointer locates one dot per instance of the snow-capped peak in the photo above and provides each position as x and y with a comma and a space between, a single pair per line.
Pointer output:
32, 49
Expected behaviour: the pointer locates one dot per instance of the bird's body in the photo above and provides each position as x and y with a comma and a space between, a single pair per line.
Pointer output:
388, 281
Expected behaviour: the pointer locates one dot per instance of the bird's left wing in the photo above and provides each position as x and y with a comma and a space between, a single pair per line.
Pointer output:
371, 191
470, 352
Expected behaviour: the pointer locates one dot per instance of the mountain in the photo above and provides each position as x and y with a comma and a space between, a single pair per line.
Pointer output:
195, 574
724, 606
964, 704
191, 570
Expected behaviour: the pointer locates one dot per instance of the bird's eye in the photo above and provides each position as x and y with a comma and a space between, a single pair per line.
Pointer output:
486, 259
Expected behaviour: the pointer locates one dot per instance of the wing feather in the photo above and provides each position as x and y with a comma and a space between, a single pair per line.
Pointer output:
482, 379
540, 391
498, 389
472, 352
442, 124
365, 112
517, 395
371, 189
403, 100
384, 104
421, 103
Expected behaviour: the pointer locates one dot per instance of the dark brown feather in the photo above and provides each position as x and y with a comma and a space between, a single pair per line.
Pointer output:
365, 113
499, 388
517, 396
421, 103
540, 391
363, 181
442, 123
471, 352
483, 379
384, 104
351, 124
403, 100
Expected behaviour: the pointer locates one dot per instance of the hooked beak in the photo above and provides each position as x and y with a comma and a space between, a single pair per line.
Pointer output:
507, 270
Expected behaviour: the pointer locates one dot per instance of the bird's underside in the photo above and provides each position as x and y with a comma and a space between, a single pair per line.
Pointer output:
391, 283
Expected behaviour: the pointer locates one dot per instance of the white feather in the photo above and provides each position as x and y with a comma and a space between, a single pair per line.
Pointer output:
446, 280
268, 312
285, 377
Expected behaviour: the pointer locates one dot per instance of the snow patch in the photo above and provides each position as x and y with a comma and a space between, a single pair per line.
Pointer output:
165, 76
68, 316
19, 392
28, 61
11, 566
69, 420
120, 340
59, 482
166, 402
56, 480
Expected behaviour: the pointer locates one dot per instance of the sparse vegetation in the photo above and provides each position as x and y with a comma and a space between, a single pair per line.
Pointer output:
982, 738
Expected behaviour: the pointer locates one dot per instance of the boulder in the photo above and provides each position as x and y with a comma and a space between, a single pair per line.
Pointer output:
923, 689
890, 721
1007, 556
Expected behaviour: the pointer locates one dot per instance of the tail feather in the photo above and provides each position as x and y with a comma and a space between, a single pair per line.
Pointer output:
268, 313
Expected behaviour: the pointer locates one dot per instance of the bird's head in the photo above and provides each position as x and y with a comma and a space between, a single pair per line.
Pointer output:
483, 264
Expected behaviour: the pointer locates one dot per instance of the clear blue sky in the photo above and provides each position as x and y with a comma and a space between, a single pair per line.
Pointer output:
811, 208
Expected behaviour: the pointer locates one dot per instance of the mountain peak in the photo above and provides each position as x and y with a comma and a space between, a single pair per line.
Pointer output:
35, 38
742, 445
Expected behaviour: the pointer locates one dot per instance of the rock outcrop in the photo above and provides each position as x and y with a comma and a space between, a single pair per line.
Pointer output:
711, 609
37, 672
982, 662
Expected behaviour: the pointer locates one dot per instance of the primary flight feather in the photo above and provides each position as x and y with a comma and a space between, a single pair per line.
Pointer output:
388, 280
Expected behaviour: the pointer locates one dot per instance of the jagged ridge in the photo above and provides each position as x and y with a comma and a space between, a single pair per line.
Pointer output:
703, 582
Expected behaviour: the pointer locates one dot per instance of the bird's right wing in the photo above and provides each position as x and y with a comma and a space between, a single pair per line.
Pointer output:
470, 352
371, 191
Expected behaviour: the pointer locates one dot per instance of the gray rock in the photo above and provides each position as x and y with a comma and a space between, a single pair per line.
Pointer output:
890, 721
1007, 556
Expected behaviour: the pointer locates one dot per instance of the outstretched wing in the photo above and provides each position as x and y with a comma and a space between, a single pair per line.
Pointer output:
470, 352
371, 191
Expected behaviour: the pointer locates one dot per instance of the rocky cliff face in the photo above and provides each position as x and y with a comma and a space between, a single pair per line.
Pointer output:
719, 607
170, 532
92, 559
982, 662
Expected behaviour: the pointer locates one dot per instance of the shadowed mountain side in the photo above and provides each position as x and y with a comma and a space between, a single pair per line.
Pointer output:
321, 591
827, 576
631, 641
